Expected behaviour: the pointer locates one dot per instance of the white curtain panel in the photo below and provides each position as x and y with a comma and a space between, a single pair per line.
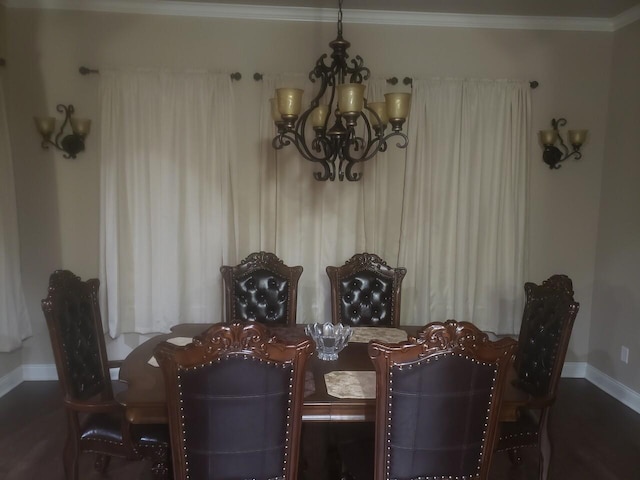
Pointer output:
15, 325
317, 224
166, 209
464, 214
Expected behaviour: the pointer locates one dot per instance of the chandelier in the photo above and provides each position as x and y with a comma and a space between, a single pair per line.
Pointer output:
339, 147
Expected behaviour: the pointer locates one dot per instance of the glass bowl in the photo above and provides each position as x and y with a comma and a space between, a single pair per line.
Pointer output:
330, 339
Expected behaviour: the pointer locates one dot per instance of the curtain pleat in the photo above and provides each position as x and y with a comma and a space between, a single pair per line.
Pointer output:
166, 205
463, 228
15, 324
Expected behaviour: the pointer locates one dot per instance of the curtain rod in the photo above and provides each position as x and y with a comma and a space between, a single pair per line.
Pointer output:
88, 71
394, 80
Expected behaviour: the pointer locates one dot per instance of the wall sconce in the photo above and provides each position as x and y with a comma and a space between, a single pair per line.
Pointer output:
552, 155
72, 143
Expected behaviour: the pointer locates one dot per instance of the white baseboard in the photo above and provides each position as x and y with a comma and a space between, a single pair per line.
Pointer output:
604, 382
10, 381
574, 370
617, 390
39, 372
35, 373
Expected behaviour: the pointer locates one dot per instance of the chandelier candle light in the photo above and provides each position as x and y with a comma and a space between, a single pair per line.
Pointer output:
337, 149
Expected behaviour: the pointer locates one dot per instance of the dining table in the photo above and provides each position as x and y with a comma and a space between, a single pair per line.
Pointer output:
145, 402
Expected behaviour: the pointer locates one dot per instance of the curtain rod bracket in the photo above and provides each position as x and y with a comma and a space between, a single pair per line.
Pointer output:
257, 76
236, 76
408, 81
392, 81
534, 84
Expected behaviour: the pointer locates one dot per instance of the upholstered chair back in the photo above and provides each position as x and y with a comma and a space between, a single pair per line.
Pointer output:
72, 313
365, 291
548, 318
438, 402
235, 397
262, 289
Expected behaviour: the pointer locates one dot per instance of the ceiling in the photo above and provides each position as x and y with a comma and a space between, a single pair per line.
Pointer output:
545, 8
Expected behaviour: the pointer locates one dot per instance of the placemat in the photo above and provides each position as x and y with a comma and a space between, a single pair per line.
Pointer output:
350, 384
179, 341
388, 335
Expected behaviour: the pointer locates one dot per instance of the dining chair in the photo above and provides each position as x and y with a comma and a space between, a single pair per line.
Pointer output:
235, 398
438, 401
96, 422
365, 291
549, 313
262, 289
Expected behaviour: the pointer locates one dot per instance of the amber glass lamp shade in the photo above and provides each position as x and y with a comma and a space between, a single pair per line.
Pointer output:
319, 116
548, 137
45, 125
380, 108
289, 101
350, 98
81, 126
577, 137
398, 105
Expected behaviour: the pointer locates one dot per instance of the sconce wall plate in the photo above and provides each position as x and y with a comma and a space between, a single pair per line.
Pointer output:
553, 155
72, 143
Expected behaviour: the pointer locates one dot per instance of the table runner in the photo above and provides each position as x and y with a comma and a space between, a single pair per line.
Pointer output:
387, 335
351, 384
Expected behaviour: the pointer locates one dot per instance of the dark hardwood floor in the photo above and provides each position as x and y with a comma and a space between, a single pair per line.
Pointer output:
595, 437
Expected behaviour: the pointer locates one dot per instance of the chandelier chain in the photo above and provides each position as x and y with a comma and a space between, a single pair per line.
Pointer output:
340, 18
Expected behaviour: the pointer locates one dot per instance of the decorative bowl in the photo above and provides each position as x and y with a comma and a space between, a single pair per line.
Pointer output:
330, 339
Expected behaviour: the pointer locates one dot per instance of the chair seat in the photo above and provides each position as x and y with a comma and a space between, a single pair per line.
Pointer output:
521, 433
151, 435
102, 427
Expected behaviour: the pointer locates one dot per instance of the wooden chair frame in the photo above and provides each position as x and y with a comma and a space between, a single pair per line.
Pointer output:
62, 285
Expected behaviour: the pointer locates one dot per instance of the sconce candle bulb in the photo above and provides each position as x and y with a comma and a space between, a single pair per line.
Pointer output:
71, 144
553, 155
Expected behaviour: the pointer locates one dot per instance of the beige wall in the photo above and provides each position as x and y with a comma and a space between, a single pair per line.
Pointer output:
616, 296
58, 199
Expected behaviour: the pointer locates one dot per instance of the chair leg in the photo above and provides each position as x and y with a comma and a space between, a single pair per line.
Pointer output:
70, 458
102, 463
544, 444
160, 461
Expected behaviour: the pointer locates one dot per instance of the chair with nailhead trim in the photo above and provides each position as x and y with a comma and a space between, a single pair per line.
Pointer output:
95, 420
437, 405
365, 291
549, 313
262, 289
234, 399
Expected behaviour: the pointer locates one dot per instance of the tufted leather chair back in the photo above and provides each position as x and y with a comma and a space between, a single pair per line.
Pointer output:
365, 291
549, 314
235, 397
72, 313
262, 289
438, 401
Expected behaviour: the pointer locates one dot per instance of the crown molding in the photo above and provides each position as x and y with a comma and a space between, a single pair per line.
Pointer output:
307, 14
626, 18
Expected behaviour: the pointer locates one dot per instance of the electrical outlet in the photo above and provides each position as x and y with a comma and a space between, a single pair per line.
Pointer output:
624, 354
